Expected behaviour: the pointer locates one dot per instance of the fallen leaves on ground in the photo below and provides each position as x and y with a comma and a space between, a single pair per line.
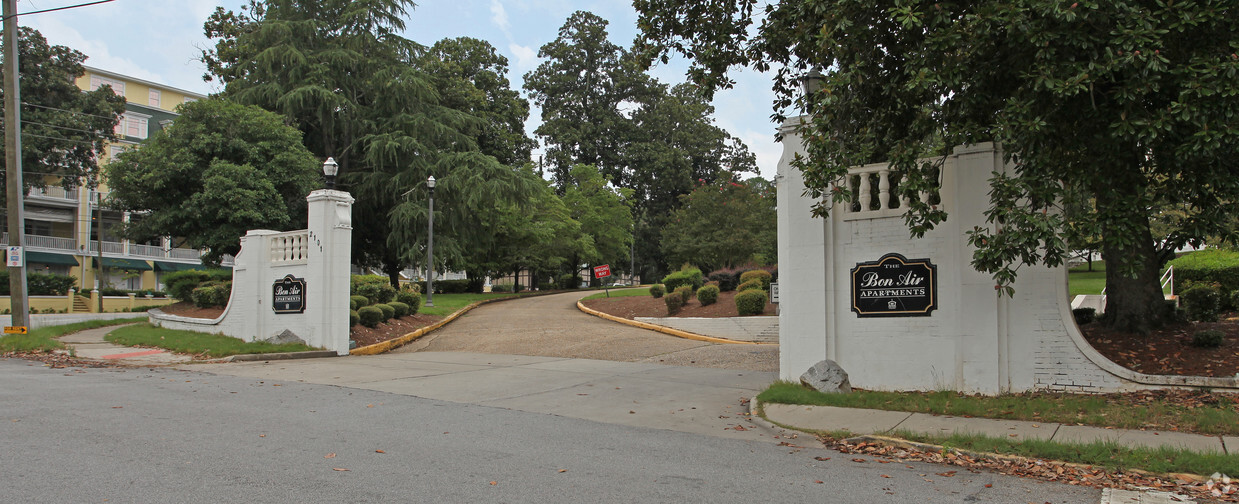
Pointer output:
1219, 488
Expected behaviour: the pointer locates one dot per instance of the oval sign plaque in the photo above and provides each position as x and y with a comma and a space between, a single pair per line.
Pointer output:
288, 295
895, 286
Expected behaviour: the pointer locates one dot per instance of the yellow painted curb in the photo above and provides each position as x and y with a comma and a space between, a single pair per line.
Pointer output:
387, 346
664, 329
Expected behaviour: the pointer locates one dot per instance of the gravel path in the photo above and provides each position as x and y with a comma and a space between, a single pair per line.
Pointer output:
552, 326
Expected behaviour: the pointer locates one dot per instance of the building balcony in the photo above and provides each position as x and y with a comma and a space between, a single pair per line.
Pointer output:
54, 195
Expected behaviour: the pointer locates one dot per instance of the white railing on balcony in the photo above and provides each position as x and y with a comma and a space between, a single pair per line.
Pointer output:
116, 248
54, 192
183, 253
146, 250
888, 201
48, 242
289, 248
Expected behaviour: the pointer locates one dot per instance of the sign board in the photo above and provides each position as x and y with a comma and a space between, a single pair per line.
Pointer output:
895, 286
774, 292
602, 271
14, 329
288, 295
14, 257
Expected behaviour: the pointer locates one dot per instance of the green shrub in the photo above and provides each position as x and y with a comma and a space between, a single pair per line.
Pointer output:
1220, 266
211, 294
751, 302
353, 318
685, 292
370, 316
388, 311
754, 284
451, 286
40, 284
762, 275
657, 291
501, 288
475, 285
1202, 302
360, 301
707, 295
1208, 338
674, 302
412, 299
1234, 299
401, 308
1084, 315
569, 281
181, 284
376, 288
546, 286
688, 276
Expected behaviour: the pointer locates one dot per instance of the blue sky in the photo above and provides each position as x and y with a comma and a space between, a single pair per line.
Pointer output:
160, 40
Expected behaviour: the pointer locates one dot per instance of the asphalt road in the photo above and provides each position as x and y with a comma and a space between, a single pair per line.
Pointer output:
163, 435
552, 326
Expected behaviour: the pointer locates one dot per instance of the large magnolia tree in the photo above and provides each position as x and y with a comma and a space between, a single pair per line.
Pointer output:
1134, 103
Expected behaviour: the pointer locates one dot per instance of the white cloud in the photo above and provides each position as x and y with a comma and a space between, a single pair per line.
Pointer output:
499, 16
526, 58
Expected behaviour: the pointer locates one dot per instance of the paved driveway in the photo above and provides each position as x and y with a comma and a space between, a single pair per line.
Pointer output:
552, 326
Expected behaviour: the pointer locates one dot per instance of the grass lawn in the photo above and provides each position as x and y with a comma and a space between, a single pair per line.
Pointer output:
1219, 419
190, 342
1082, 281
43, 339
621, 292
445, 304
1034, 407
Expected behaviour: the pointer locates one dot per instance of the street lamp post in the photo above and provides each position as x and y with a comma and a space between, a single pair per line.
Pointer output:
430, 247
330, 169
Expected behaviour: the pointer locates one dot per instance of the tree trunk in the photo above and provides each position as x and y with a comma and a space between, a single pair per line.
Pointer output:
392, 270
1133, 304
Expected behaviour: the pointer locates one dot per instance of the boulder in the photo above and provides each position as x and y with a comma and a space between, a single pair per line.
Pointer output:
285, 337
828, 377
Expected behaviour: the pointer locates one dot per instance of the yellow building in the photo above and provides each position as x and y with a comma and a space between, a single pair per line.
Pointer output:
63, 227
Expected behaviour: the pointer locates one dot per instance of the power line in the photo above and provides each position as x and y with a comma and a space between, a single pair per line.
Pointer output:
89, 132
57, 139
69, 111
55, 9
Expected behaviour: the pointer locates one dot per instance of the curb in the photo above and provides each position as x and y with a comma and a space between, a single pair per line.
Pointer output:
665, 330
391, 344
755, 409
313, 354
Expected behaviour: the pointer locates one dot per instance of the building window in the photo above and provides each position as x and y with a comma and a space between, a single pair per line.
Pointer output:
155, 96
117, 86
115, 150
132, 125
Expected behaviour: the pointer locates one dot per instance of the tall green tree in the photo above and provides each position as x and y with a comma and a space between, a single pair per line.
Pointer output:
342, 72
584, 86
722, 225
1133, 101
221, 169
605, 215
62, 127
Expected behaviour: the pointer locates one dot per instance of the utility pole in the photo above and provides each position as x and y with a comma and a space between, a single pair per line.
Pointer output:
19, 304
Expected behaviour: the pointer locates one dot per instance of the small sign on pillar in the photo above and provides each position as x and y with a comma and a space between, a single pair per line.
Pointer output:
288, 295
895, 286
13, 258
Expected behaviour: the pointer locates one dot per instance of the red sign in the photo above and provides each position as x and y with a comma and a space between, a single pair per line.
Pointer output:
602, 271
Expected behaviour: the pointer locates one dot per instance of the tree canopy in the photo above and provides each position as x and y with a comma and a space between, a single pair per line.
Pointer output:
218, 171
722, 225
62, 127
1134, 102
341, 71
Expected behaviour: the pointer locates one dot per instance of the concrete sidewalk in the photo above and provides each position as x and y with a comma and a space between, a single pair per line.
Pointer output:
89, 344
866, 421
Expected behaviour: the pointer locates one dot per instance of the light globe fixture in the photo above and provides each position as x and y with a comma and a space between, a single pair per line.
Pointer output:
330, 169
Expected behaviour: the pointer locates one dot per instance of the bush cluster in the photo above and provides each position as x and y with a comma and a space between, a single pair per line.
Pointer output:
376, 288
546, 286
1202, 302
1208, 338
40, 284
370, 316
1084, 315
708, 294
751, 302
401, 309
569, 281
657, 290
688, 276
754, 284
727, 278
502, 288
181, 284
353, 318
411, 299
211, 294
674, 303
451, 286
1211, 266
762, 276
388, 311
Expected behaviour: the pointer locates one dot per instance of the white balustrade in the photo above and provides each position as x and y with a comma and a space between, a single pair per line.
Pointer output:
289, 248
859, 183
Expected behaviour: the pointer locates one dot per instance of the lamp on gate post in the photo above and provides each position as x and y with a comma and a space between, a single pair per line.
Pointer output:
811, 82
330, 169
430, 247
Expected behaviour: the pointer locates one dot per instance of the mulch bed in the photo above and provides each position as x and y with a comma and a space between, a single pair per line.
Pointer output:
1169, 350
647, 306
363, 335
